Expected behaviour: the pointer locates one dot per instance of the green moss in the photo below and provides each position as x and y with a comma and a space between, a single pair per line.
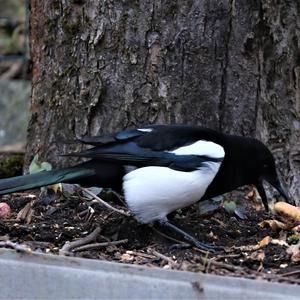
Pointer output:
87, 20
11, 165
125, 14
51, 25
70, 28
293, 239
55, 4
52, 102
172, 9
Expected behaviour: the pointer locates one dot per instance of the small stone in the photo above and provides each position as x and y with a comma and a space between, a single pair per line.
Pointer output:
5, 210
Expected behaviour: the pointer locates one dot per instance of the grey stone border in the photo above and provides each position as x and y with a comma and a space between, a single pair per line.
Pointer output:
43, 276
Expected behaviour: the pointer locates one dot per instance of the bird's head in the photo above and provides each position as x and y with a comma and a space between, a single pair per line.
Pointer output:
266, 171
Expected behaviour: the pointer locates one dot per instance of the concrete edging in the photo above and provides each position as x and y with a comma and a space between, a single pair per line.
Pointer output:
43, 276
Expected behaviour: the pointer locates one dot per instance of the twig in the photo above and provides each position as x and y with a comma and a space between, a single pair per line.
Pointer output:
224, 265
122, 212
144, 255
253, 272
84, 212
68, 246
165, 258
99, 245
120, 197
39, 244
227, 256
88, 214
206, 262
201, 251
290, 273
15, 246
290, 280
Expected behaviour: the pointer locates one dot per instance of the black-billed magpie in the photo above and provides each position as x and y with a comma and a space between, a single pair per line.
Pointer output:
162, 168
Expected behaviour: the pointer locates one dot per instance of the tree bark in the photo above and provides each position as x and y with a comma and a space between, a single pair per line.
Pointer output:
101, 66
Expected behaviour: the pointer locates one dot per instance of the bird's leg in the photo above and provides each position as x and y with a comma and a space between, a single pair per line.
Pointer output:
188, 237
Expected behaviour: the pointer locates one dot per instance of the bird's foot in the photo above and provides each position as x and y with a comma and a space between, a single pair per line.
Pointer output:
181, 246
208, 247
190, 239
205, 247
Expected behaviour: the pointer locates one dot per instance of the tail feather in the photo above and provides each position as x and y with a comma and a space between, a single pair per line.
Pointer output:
27, 182
91, 173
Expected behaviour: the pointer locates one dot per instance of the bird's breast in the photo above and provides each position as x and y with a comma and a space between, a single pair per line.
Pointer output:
153, 192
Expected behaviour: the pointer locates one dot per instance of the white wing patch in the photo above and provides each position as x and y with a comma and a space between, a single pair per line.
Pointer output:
201, 148
153, 192
145, 129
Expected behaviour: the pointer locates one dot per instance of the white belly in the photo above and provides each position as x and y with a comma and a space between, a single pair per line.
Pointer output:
153, 192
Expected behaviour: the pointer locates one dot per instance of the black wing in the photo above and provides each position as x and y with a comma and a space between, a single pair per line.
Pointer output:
150, 145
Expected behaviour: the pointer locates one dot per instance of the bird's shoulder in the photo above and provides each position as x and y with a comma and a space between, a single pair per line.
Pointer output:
158, 137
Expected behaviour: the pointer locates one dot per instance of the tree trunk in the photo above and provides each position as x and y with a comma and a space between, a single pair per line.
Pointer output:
100, 66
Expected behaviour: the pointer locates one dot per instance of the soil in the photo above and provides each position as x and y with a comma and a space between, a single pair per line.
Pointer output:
46, 223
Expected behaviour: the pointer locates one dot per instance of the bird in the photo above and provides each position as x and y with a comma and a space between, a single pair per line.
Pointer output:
162, 168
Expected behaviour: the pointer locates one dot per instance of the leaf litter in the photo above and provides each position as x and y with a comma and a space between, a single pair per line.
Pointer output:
256, 246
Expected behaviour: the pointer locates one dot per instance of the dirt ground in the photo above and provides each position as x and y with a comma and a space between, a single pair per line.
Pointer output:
47, 223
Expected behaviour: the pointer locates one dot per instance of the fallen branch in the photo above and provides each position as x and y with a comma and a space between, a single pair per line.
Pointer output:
205, 252
16, 246
101, 201
251, 273
140, 254
100, 245
69, 246
165, 258
290, 273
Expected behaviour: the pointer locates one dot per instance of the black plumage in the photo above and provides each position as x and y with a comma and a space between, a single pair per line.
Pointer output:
181, 152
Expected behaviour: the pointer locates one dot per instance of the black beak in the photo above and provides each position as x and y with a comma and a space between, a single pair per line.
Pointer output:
278, 186
262, 193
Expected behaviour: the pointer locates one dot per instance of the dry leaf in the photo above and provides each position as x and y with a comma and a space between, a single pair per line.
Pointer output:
212, 236
290, 211
282, 235
254, 197
296, 228
246, 248
250, 195
26, 213
294, 251
274, 224
257, 256
126, 257
279, 242
208, 207
56, 188
265, 241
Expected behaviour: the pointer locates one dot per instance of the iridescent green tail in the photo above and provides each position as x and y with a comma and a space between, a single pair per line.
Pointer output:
91, 173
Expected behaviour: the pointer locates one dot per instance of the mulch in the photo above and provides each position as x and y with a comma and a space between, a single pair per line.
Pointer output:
48, 223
